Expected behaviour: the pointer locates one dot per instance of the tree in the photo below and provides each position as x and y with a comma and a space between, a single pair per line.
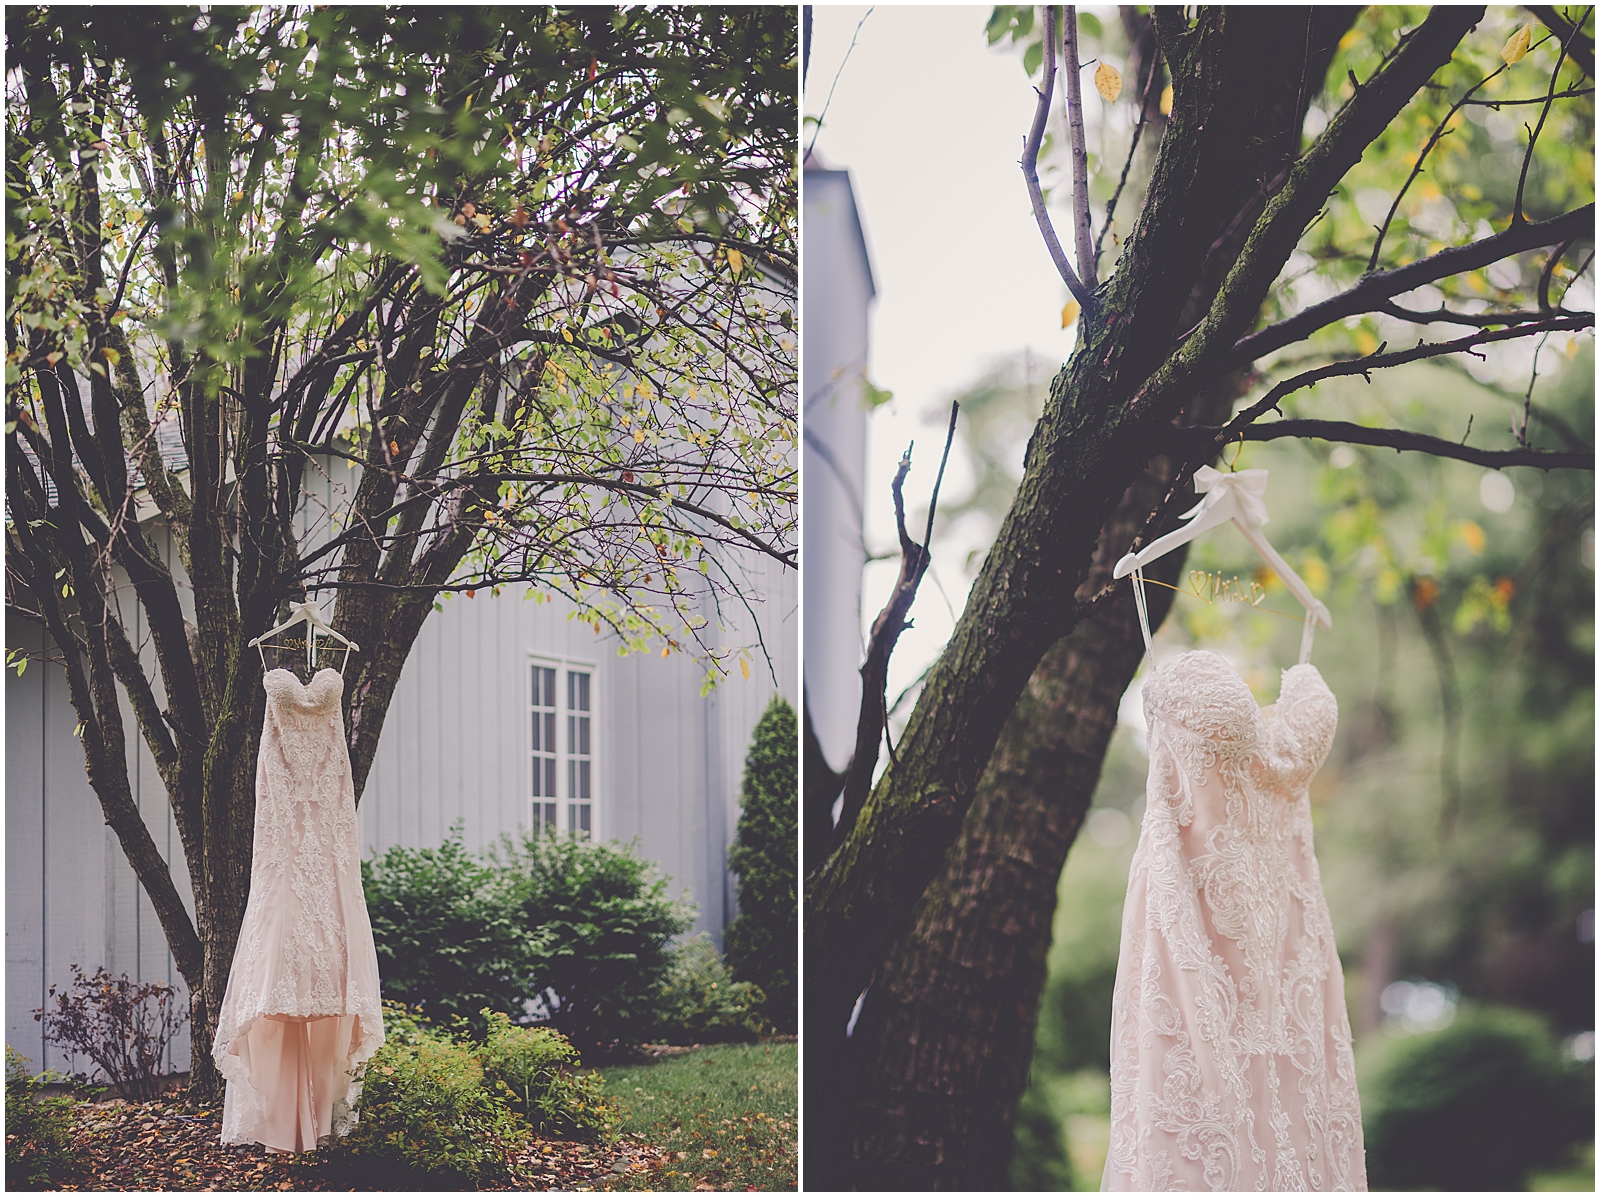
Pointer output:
927, 924
518, 274
761, 944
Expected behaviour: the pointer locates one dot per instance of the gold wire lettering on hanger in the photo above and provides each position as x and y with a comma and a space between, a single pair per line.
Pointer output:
1213, 586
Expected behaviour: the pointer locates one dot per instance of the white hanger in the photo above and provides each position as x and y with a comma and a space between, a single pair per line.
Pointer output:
309, 614
1237, 497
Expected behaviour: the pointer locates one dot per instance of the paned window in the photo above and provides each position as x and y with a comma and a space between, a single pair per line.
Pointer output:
545, 748
580, 755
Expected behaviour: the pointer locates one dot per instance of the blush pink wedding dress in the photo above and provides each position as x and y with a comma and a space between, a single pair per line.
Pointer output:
302, 1014
1231, 1066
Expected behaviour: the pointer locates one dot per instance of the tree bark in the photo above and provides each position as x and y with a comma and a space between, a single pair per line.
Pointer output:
946, 1028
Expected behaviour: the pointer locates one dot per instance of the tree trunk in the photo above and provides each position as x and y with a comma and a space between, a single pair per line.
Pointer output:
939, 1056
943, 1037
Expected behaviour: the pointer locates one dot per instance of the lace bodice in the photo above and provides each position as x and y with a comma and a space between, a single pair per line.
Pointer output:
1231, 1064
305, 947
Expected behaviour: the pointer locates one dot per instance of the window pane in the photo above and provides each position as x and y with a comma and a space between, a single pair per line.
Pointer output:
583, 818
572, 691
550, 816
550, 731
583, 692
583, 736
583, 781
549, 688
550, 777
572, 779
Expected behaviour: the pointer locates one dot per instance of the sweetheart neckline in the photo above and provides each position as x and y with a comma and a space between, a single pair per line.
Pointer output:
1234, 671
295, 677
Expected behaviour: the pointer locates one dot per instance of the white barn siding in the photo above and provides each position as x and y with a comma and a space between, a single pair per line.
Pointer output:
455, 745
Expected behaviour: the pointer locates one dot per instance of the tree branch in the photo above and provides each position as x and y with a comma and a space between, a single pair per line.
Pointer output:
1199, 438
1127, 165
1030, 169
1373, 289
872, 721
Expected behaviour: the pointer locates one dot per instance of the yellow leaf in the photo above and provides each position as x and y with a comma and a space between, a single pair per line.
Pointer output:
1069, 314
112, 355
744, 668
736, 260
55, 357
482, 220
638, 436
1108, 82
1472, 536
1166, 100
566, 335
1516, 47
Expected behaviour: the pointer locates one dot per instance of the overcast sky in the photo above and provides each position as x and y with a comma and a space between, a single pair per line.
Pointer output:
930, 122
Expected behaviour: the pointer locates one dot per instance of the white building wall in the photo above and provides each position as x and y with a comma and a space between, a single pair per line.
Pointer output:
838, 292
455, 746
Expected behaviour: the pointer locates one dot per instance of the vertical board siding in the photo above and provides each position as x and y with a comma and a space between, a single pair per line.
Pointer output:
455, 745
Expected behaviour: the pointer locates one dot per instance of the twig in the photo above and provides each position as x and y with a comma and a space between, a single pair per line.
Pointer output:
1544, 112
1527, 399
1549, 269
1080, 154
1581, 49
1030, 170
821, 116
1138, 128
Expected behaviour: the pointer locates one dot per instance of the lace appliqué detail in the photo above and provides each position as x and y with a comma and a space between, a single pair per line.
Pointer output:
1231, 1062
305, 947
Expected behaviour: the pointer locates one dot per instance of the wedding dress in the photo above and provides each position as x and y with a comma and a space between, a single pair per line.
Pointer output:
1231, 1065
301, 1015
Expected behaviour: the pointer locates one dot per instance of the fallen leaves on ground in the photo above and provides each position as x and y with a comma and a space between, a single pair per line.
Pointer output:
174, 1145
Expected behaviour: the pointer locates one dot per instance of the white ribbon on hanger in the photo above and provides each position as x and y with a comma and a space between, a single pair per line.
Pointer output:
1239, 497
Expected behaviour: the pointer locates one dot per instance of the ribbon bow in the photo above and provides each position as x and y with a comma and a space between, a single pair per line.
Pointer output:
310, 612
1248, 488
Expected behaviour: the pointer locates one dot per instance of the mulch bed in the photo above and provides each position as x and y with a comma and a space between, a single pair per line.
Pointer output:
172, 1145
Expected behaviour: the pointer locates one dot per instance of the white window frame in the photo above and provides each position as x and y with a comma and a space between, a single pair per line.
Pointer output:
566, 800
536, 772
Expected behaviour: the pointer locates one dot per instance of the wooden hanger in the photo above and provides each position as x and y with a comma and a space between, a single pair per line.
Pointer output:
309, 614
1237, 497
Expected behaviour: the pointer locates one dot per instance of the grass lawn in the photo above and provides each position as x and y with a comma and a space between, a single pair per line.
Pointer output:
724, 1116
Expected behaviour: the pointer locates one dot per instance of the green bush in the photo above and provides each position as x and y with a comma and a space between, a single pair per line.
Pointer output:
426, 1109
1475, 1106
538, 1071
701, 1001
38, 1128
600, 925
448, 929
763, 942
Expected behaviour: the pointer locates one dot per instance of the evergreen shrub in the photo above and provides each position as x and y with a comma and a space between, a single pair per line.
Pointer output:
1476, 1106
762, 944
600, 927
702, 1002
448, 930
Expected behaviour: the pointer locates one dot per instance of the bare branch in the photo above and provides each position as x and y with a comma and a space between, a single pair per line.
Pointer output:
1080, 155
871, 723
1030, 169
